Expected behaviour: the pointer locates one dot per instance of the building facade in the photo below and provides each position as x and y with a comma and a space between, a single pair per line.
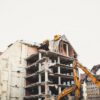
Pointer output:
90, 90
93, 92
12, 70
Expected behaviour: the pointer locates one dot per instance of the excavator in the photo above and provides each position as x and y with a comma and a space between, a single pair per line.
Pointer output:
77, 85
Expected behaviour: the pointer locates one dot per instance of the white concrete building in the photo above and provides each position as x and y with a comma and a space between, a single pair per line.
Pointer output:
12, 70
84, 90
98, 72
90, 90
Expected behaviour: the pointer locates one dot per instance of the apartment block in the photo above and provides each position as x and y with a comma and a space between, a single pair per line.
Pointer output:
12, 70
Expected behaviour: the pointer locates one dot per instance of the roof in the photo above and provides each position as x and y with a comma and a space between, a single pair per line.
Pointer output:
64, 38
96, 67
26, 43
29, 43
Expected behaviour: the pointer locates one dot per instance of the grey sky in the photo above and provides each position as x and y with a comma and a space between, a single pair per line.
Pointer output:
36, 20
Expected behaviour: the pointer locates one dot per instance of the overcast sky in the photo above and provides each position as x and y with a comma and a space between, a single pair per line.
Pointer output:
36, 20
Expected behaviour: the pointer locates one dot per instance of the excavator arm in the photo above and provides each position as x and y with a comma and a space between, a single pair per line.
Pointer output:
75, 88
76, 80
93, 79
65, 92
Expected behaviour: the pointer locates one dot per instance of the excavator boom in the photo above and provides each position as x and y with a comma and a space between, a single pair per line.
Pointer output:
76, 88
93, 79
65, 92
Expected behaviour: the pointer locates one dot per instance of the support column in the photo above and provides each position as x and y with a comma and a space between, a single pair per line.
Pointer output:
67, 50
46, 79
39, 87
59, 78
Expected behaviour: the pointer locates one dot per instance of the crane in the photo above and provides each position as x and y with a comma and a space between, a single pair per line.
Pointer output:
77, 85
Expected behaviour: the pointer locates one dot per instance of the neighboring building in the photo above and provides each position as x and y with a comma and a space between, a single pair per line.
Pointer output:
50, 71
90, 90
98, 72
93, 92
12, 70
84, 85
96, 69
84, 88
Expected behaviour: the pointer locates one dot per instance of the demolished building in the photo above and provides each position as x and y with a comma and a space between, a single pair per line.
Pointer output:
32, 72
50, 71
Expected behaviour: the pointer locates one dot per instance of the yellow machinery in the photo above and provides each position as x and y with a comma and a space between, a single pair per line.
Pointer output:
76, 88
65, 92
56, 37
